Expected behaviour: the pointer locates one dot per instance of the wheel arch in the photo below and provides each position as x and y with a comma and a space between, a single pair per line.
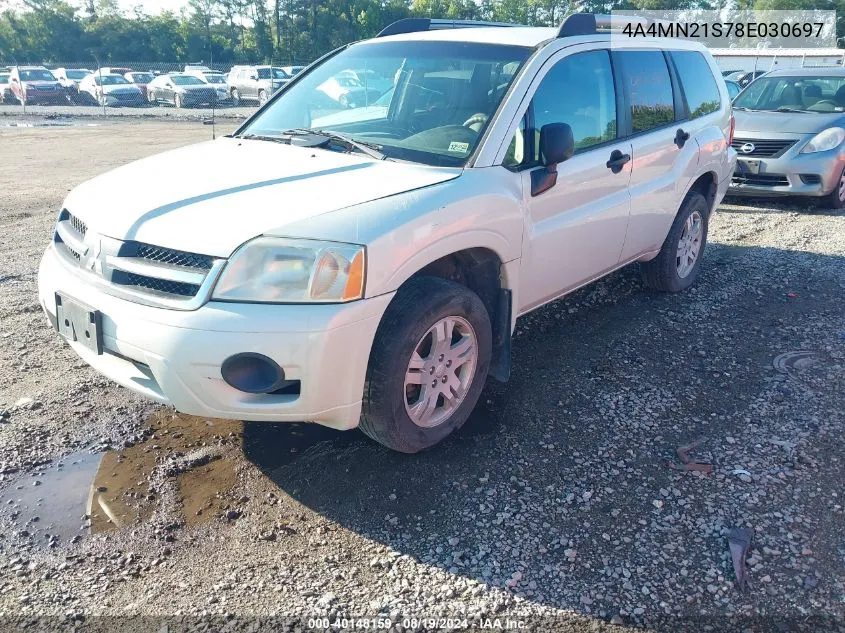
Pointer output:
706, 184
481, 270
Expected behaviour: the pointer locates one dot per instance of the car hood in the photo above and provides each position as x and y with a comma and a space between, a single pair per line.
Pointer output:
121, 88
212, 197
786, 122
201, 87
42, 83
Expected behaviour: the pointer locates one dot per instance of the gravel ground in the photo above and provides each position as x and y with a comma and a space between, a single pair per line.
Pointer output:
10, 112
555, 507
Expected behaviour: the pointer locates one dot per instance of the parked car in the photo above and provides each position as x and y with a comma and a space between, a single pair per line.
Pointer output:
728, 73
790, 135
255, 83
140, 79
110, 90
114, 70
373, 272
191, 68
215, 79
5, 90
181, 90
733, 88
745, 78
291, 71
35, 85
69, 78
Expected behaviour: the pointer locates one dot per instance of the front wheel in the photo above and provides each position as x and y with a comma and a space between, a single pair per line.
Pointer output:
428, 364
836, 198
677, 265
262, 97
177, 101
236, 97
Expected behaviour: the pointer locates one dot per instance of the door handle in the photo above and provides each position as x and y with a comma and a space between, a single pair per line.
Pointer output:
617, 161
681, 137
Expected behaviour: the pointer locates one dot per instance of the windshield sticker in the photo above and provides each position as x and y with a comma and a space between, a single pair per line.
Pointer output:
455, 146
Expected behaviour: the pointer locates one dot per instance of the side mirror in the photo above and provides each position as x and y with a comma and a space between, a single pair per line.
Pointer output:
556, 146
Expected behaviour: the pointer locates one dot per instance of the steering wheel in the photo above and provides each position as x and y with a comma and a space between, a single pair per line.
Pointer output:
478, 117
829, 102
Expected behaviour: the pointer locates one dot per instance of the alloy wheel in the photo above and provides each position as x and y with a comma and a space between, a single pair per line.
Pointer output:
689, 246
440, 371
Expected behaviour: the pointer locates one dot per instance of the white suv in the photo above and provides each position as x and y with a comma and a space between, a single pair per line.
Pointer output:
367, 265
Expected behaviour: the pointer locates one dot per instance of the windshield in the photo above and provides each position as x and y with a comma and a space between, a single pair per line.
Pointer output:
278, 73
442, 97
215, 78
186, 80
802, 93
37, 75
77, 74
141, 78
110, 80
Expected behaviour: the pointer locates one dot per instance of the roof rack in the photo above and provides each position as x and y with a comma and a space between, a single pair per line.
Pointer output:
591, 23
415, 25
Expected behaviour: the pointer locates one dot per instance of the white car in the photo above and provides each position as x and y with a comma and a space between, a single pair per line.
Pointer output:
371, 273
110, 89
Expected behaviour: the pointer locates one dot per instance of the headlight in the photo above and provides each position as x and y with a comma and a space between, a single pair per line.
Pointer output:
281, 270
823, 141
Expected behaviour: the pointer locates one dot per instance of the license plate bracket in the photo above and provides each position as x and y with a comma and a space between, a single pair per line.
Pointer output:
746, 166
79, 323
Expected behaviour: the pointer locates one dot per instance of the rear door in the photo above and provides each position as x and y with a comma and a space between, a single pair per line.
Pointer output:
664, 154
575, 230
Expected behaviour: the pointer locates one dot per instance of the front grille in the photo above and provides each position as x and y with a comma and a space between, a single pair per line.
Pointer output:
165, 276
173, 257
78, 225
161, 285
771, 148
760, 180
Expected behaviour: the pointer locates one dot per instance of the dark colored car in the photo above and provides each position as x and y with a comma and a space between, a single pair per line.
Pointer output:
35, 84
181, 90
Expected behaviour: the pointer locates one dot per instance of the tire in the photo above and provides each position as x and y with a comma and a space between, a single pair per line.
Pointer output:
177, 101
151, 99
262, 97
406, 329
836, 198
343, 100
670, 272
236, 97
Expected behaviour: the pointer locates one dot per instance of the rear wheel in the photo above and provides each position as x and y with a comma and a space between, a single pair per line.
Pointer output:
836, 198
262, 97
677, 265
177, 100
428, 365
236, 97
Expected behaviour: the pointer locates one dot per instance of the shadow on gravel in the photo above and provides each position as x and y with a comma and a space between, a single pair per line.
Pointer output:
558, 488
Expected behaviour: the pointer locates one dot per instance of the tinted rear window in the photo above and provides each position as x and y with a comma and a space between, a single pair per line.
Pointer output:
697, 81
649, 89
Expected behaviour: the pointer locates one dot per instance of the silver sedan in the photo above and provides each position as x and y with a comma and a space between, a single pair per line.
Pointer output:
790, 135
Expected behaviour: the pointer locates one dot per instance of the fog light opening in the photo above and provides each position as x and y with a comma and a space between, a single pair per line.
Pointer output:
252, 373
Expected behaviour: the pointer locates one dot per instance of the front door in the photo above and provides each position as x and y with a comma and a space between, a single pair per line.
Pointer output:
575, 230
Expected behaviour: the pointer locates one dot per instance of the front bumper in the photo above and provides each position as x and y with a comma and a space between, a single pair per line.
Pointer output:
174, 356
45, 96
792, 174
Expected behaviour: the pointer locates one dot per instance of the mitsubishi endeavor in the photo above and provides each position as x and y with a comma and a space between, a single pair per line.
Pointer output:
368, 270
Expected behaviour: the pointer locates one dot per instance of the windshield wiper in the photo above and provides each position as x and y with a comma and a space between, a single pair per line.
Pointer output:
785, 109
263, 137
370, 149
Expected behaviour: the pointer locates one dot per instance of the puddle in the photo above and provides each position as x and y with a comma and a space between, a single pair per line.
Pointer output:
122, 488
57, 504
47, 123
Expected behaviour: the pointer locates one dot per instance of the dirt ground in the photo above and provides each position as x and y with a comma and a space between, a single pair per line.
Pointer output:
557, 507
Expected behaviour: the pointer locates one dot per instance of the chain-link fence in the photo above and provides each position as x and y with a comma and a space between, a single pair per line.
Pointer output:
200, 89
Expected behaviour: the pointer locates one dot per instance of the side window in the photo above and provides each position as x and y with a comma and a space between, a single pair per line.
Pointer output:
577, 91
649, 89
697, 81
